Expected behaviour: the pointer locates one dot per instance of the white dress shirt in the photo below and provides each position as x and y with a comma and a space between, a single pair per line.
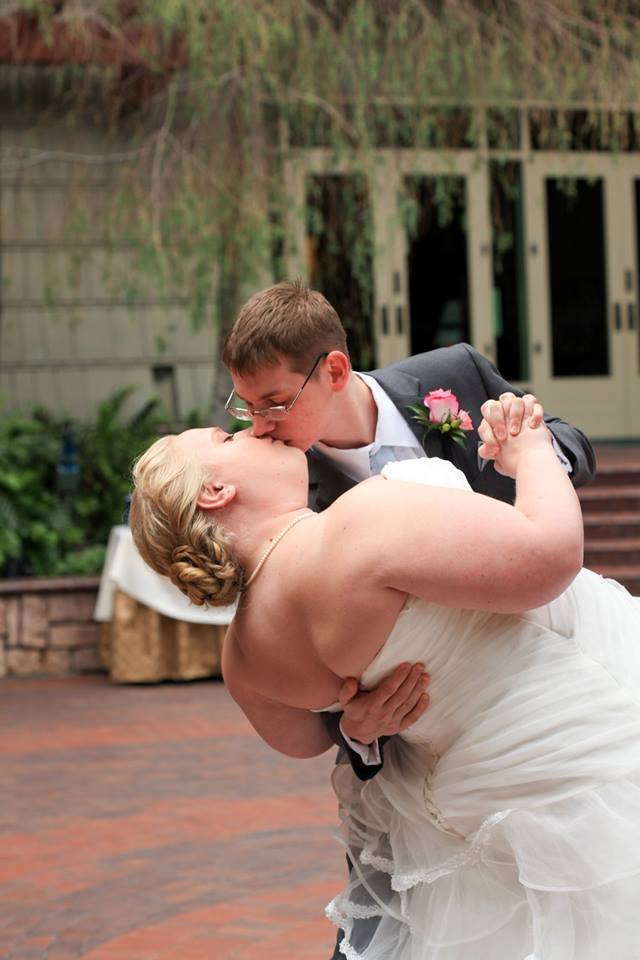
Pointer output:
392, 430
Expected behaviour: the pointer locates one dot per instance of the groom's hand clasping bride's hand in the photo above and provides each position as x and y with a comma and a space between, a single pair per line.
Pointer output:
503, 418
391, 707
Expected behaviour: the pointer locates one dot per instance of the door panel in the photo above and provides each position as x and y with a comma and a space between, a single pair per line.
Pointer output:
509, 293
631, 197
577, 270
437, 261
574, 240
441, 246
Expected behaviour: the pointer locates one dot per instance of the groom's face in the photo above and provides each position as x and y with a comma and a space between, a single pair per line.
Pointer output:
277, 384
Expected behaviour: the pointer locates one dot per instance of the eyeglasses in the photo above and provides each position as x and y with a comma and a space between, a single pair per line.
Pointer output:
279, 412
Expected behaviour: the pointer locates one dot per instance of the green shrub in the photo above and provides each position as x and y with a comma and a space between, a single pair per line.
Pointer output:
56, 521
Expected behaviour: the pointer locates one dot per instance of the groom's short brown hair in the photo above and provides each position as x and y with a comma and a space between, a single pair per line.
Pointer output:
287, 321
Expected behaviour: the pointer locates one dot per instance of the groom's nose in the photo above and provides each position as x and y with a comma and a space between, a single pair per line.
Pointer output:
261, 427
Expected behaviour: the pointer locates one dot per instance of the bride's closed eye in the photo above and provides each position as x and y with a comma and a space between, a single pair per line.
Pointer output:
228, 437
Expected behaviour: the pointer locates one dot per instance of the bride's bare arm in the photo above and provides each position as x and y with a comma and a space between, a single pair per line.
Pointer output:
295, 732
290, 730
465, 550
387, 709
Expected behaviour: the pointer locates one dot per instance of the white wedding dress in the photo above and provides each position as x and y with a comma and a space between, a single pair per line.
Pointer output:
505, 823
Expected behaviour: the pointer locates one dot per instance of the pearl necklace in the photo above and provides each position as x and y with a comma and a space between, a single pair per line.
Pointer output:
274, 543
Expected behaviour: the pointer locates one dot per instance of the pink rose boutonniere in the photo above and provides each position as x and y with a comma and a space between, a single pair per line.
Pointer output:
441, 411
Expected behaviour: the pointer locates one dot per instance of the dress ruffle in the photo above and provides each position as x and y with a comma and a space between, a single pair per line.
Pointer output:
556, 882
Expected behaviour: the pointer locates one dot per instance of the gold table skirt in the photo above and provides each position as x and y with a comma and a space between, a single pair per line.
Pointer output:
140, 645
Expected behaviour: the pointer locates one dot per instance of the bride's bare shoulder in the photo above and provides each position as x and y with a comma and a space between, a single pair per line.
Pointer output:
377, 497
350, 527
366, 494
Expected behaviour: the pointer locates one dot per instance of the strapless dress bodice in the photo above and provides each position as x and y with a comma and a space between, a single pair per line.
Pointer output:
510, 811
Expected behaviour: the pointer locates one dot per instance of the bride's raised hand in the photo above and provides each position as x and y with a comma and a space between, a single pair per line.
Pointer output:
529, 440
504, 418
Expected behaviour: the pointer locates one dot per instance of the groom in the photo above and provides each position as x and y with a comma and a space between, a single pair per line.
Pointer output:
288, 359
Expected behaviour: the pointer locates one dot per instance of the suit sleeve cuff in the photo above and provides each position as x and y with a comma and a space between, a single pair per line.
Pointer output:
561, 457
369, 753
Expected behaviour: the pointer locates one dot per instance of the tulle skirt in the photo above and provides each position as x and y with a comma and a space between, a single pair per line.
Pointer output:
560, 881
505, 824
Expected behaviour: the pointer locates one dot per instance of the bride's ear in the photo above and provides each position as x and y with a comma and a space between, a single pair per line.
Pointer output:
213, 496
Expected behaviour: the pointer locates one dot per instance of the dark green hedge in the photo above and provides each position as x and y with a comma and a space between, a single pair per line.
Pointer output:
63, 485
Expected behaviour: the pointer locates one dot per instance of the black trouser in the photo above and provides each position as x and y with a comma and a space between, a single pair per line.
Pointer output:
336, 953
363, 929
363, 772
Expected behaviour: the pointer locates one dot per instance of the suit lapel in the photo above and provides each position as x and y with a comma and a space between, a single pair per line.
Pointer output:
326, 482
405, 390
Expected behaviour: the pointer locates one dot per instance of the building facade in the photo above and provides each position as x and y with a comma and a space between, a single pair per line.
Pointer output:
526, 245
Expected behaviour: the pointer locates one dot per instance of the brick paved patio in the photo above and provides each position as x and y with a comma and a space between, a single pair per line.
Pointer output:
151, 823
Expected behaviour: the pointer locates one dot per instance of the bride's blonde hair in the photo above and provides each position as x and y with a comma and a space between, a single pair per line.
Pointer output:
173, 535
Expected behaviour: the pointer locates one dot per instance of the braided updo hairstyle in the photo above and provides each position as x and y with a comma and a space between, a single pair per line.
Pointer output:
173, 535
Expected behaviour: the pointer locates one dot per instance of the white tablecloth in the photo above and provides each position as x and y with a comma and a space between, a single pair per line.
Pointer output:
124, 569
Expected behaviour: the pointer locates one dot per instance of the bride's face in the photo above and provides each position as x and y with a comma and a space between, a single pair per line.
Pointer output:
244, 460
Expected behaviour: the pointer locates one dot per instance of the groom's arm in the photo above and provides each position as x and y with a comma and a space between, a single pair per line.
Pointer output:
364, 769
572, 442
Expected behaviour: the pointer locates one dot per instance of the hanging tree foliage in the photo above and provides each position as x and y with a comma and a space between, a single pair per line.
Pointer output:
204, 99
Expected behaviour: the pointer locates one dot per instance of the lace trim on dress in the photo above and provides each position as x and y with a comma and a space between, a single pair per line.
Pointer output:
345, 947
345, 923
369, 858
343, 920
405, 881
477, 842
352, 911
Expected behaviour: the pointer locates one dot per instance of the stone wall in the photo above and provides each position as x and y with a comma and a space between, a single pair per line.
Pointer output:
47, 627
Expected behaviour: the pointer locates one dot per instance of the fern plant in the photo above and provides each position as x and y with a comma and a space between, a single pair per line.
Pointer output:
46, 530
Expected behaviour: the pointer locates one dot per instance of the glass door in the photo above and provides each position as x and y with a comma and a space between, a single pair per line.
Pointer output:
435, 283
428, 256
578, 235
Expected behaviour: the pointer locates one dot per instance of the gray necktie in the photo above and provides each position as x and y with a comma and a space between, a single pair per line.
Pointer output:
385, 453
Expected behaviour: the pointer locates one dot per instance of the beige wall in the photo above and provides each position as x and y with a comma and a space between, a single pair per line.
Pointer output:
77, 320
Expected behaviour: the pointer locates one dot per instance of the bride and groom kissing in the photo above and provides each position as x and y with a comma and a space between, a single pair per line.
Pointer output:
503, 818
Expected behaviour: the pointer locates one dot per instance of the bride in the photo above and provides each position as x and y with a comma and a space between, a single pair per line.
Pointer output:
506, 821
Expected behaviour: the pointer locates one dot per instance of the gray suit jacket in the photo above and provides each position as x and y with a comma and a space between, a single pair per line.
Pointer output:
473, 379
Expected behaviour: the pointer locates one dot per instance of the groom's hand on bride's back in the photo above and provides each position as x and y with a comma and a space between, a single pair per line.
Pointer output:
504, 418
397, 702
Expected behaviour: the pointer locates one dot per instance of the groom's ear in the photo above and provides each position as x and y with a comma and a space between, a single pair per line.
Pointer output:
214, 496
339, 369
